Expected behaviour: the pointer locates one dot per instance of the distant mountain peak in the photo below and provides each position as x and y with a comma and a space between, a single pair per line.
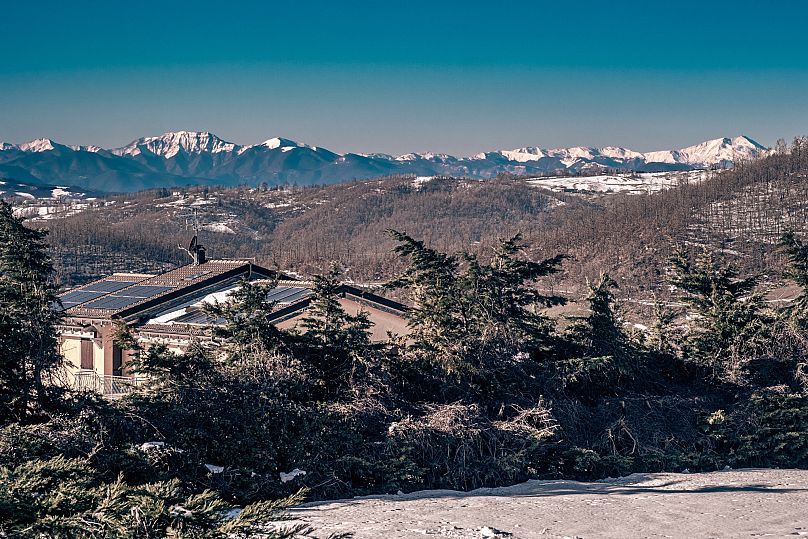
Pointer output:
38, 145
194, 157
741, 139
272, 143
280, 142
172, 143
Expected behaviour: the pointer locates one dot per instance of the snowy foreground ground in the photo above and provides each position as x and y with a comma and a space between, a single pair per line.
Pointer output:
733, 503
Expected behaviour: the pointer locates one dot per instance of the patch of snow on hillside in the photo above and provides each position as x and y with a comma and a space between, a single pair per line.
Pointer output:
419, 181
203, 202
645, 182
221, 228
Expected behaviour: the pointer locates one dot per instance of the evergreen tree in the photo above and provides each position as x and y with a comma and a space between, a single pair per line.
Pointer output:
29, 360
797, 271
601, 354
336, 343
439, 316
61, 497
604, 335
479, 322
729, 325
504, 298
247, 329
661, 338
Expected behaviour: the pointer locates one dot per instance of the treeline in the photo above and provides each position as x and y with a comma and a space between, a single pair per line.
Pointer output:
485, 391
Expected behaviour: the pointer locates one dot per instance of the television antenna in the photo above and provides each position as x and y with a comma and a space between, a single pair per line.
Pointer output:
195, 249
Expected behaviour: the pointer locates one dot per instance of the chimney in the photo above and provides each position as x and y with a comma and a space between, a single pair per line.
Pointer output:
200, 255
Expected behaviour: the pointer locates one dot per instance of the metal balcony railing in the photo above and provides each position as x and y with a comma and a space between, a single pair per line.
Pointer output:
106, 384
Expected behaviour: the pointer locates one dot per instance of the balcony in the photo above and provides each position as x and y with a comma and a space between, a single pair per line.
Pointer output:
107, 385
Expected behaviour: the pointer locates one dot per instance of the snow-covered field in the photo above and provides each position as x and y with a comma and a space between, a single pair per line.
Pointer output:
733, 503
632, 183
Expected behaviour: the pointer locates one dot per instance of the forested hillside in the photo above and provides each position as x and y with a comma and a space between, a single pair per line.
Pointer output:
741, 212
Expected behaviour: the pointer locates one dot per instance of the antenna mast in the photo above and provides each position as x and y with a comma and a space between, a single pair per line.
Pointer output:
195, 249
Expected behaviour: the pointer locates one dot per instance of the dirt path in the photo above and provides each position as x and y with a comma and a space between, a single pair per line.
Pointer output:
733, 503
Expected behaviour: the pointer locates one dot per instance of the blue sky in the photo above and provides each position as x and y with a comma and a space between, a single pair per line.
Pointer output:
457, 77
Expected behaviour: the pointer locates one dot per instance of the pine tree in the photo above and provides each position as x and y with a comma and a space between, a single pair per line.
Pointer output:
29, 360
439, 316
600, 354
729, 325
797, 271
247, 328
335, 342
505, 298
605, 336
480, 321
661, 338
61, 497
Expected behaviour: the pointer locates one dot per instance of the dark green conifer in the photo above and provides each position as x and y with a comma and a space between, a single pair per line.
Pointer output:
247, 328
797, 271
336, 343
729, 325
29, 360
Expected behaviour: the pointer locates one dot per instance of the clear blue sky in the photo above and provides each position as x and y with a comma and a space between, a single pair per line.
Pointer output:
458, 77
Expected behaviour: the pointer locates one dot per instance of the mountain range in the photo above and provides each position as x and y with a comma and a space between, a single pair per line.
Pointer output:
198, 158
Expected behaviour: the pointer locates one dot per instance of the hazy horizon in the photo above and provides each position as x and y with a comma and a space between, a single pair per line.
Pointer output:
458, 78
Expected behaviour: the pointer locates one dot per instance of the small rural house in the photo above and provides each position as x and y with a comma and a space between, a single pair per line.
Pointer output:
169, 309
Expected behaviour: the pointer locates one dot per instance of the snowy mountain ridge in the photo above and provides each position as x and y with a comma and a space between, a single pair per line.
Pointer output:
191, 157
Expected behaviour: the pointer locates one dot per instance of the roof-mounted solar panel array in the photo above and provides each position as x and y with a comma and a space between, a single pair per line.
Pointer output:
106, 286
112, 302
126, 297
143, 291
92, 291
197, 316
79, 296
287, 294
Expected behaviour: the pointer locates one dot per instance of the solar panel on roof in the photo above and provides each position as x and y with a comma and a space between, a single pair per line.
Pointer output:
143, 291
108, 286
68, 304
286, 294
196, 317
299, 294
112, 302
79, 296
276, 292
125, 298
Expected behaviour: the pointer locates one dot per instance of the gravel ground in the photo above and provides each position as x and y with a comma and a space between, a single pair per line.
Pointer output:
732, 503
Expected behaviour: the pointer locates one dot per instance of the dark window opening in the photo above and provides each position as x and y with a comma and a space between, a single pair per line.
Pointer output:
87, 354
117, 361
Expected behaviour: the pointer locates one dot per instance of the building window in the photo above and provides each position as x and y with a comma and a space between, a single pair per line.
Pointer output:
87, 354
117, 361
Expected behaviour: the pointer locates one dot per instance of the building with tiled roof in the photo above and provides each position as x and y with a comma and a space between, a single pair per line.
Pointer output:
169, 308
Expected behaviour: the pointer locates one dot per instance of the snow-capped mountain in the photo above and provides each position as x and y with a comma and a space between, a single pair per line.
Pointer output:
171, 144
188, 158
720, 152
